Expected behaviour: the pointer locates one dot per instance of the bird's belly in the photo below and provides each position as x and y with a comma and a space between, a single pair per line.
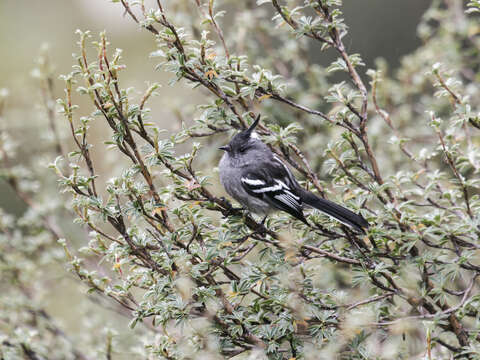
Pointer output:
232, 184
253, 204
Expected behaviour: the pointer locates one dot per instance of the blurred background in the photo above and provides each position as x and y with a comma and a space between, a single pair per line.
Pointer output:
378, 28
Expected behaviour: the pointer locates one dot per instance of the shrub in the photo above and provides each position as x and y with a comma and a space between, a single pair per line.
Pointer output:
210, 280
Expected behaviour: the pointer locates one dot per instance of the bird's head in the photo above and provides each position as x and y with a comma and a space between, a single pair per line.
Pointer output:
244, 141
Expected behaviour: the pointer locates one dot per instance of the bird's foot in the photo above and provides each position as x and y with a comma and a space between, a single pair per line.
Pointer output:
261, 228
230, 209
226, 202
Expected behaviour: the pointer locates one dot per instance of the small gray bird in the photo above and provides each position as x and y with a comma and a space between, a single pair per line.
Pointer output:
259, 180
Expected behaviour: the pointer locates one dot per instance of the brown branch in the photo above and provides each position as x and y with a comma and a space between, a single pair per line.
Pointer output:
367, 301
455, 324
454, 169
293, 24
332, 256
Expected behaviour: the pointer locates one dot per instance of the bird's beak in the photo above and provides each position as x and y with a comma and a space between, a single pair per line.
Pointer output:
224, 148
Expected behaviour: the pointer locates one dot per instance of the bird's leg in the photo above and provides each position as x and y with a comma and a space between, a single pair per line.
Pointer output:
263, 220
226, 202
261, 229
230, 209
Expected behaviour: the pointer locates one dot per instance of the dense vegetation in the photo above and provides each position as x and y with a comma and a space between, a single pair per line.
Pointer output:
201, 279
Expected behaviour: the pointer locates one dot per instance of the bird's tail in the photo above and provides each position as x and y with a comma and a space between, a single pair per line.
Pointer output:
336, 211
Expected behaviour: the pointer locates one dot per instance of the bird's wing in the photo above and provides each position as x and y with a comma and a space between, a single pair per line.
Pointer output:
274, 184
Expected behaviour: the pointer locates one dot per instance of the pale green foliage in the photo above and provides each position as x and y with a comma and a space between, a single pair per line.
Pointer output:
210, 281
473, 6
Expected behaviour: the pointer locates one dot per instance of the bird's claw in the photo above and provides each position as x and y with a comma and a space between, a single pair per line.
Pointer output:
261, 228
230, 209
225, 202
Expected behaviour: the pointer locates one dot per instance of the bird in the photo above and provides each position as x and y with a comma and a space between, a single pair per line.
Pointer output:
261, 182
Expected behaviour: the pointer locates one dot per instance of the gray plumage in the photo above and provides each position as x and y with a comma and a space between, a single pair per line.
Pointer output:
259, 180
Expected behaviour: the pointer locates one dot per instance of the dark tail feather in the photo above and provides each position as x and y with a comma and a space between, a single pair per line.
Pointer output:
340, 213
